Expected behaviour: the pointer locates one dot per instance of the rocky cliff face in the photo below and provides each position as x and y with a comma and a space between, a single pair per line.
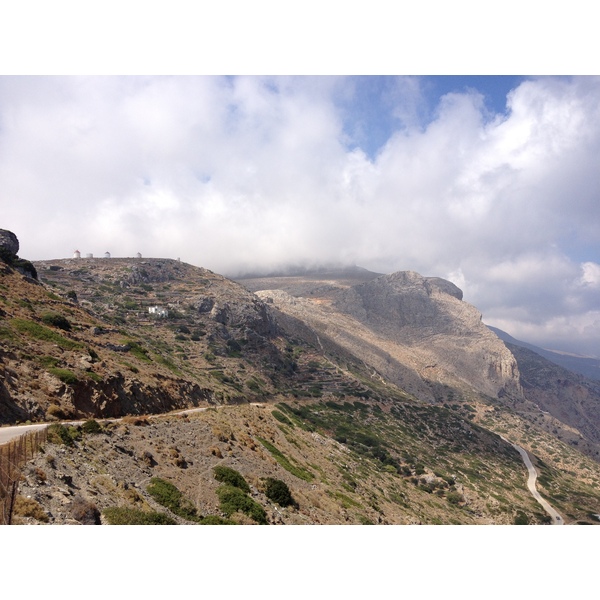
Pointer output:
428, 314
415, 331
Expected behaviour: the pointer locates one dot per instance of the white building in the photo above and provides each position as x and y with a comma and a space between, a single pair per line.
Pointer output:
158, 311
76, 254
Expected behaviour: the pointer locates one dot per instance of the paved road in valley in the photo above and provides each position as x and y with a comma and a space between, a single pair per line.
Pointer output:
556, 518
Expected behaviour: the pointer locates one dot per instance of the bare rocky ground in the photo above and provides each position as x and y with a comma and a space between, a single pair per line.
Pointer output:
114, 468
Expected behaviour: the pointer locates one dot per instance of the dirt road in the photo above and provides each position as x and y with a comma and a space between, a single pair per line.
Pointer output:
556, 518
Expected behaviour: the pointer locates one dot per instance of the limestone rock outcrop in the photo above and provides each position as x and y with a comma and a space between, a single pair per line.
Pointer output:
415, 331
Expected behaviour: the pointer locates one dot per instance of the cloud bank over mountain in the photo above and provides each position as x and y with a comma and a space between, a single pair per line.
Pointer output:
256, 173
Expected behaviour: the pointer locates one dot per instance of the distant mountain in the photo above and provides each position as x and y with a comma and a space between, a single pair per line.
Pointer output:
584, 365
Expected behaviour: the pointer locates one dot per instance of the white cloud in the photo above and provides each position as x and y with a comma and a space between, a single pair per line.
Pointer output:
591, 274
251, 173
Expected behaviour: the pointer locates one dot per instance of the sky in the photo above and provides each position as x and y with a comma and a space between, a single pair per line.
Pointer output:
389, 140
491, 182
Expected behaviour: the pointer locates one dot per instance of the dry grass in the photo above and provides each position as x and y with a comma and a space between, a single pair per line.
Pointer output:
28, 507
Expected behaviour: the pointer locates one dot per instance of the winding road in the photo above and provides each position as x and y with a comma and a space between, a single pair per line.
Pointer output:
556, 518
9, 433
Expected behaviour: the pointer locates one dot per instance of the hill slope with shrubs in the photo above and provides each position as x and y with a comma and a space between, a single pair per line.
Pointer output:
293, 427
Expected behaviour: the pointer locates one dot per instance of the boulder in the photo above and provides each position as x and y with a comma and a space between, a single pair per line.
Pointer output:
9, 241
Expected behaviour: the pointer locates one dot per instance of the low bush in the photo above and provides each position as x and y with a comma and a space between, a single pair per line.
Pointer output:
454, 497
137, 350
64, 375
54, 411
521, 519
279, 492
61, 434
48, 361
94, 376
280, 417
121, 515
91, 426
234, 500
231, 477
28, 507
167, 494
56, 320
285, 463
84, 511
39, 332
215, 520
135, 420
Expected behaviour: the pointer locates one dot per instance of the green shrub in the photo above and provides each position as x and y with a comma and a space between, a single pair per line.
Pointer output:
454, 497
234, 350
285, 463
6, 334
56, 320
61, 434
235, 500
39, 332
214, 520
170, 497
129, 305
94, 376
64, 375
91, 426
121, 515
48, 361
281, 417
521, 519
231, 477
137, 350
254, 385
279, 492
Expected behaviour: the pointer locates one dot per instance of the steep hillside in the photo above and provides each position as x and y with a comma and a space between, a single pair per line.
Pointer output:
342, 462
375, 399
414, 331
417, 333
81, 341
583, 365
571, 398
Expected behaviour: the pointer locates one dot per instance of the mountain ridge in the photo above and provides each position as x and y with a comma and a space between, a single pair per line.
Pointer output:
584, 365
